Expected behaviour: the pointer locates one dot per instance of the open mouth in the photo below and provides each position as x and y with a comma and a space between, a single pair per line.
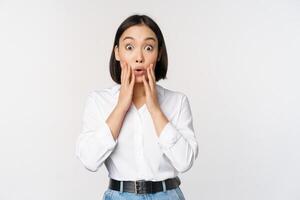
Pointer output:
138, 72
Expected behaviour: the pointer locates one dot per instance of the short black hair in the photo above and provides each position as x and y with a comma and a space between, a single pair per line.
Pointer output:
162, 64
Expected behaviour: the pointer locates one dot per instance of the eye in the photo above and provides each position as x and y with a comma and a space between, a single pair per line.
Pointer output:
128, 47
149, 48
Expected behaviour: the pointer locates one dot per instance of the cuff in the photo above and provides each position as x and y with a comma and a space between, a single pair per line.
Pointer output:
106, 136
168, 136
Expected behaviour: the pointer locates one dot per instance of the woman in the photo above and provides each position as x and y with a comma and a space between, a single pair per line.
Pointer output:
141, 131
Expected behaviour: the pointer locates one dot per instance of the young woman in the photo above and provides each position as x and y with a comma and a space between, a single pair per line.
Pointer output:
141, 131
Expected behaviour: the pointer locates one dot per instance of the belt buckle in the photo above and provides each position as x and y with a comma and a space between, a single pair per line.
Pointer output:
140, 187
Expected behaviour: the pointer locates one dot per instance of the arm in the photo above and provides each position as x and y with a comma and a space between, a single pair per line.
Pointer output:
178, 141
97, 139
115, 120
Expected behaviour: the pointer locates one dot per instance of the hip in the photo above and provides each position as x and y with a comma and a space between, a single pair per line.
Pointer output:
172, 194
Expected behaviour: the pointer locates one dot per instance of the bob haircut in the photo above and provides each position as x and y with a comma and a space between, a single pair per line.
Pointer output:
162, 61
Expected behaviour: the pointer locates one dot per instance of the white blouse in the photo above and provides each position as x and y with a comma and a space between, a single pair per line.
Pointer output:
138, 153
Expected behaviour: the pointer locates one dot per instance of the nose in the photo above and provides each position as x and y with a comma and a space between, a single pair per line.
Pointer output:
139, 57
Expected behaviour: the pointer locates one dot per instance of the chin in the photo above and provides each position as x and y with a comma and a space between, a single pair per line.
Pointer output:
138, 80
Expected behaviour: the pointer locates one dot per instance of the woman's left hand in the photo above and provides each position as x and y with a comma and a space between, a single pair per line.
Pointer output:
150, 89
158, 117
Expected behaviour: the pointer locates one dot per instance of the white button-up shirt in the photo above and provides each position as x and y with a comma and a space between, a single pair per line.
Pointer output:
138, 153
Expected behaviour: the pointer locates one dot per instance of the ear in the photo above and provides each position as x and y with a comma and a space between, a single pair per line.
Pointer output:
116, 50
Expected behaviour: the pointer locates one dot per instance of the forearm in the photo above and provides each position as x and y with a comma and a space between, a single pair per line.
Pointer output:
115, 120
160, 120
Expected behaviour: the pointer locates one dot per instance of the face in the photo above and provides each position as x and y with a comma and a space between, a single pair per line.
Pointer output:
138, 47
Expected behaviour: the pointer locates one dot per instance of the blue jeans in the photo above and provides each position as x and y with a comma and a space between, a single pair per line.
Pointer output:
173, 194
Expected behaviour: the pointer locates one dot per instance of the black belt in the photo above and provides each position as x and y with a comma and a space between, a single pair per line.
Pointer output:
144, 187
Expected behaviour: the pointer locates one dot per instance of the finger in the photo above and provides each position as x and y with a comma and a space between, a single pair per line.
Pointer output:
150, 79
147, 88
153, 73
132, 79
122, 71
127, 73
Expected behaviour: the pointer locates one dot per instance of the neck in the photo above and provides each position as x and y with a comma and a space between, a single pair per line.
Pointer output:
139, 90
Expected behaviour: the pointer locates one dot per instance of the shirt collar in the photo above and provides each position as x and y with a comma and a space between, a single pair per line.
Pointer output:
160, 90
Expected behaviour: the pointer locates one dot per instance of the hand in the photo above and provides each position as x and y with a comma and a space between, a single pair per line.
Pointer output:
127, 84
150, 89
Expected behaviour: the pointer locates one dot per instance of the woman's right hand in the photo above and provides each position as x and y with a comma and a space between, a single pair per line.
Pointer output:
126, 89
116, 117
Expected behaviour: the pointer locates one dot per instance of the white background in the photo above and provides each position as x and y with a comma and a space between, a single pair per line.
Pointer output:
237, 61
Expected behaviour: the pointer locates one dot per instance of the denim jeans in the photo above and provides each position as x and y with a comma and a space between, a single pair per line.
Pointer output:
173, 194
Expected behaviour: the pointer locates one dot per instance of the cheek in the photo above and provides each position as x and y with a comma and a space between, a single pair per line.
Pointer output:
152, 58
124, 55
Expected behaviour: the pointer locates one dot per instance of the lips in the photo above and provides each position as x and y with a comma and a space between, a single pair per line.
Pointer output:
139, 72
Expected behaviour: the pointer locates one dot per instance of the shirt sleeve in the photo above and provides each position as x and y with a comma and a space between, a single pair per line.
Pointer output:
95, 142
178, 141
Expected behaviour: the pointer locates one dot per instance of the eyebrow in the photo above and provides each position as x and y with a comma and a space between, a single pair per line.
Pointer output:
147, 38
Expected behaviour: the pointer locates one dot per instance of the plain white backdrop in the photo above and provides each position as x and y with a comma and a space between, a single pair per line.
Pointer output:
237, 61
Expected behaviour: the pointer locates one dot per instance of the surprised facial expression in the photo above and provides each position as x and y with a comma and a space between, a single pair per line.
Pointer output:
138, 47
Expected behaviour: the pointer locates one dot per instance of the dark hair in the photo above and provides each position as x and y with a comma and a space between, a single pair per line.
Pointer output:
162, 64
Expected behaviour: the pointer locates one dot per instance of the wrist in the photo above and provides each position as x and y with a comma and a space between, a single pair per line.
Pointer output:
120, 109
156, 112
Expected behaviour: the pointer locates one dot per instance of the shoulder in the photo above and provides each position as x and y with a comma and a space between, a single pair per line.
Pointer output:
172, 98
106, 94
171, 93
